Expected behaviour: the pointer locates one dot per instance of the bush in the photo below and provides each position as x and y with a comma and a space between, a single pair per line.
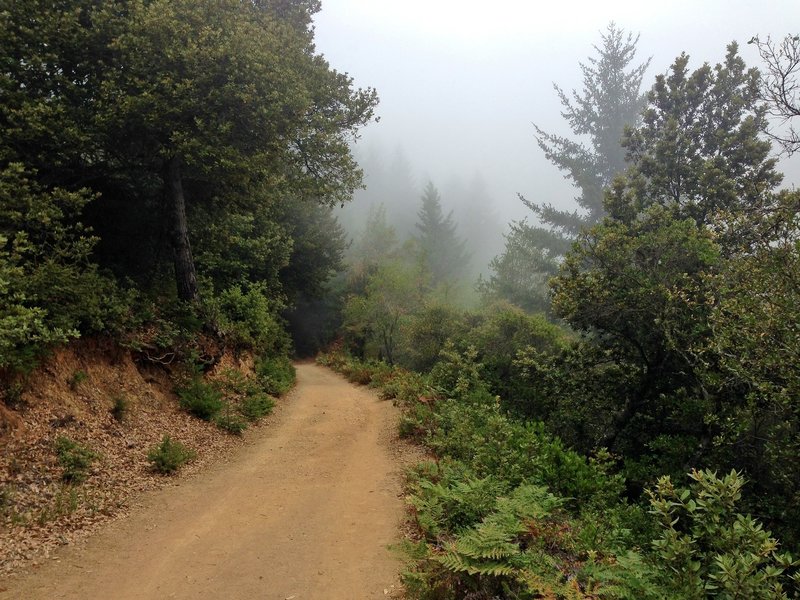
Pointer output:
120, 408
706, 549
74, 458
169, 456
199, 398
276, 375
250, 319
230, 423
256, 406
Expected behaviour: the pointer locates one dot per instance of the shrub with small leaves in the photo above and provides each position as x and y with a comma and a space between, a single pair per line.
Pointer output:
201, 399
276, 375
169, 456
120, 408
255, 406
74, 458
230, 423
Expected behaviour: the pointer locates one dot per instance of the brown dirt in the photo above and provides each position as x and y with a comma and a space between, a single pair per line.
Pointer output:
71, 395
304, 510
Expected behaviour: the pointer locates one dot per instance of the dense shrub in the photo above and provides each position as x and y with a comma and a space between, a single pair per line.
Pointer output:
74, 458
276, 375
168, 456
201, 399
255, 406
50, 292
250, 318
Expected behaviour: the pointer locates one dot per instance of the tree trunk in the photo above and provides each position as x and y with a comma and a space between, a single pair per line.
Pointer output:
185, 275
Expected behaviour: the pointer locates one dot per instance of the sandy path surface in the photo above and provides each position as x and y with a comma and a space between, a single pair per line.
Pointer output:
304, 511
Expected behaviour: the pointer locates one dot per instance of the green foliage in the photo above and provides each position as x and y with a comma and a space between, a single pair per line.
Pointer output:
168, 456
373, 320
706, 549
120, 408
275, 375
457, 374
230, 422
610, 101
255, 406
244, 396
74, 458
199, 398
249, 318
521, 272
698, 151
228, 108
49, 290
441, 249
427, 332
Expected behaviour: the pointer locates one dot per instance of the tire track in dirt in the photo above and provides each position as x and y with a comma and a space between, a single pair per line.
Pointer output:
305, 510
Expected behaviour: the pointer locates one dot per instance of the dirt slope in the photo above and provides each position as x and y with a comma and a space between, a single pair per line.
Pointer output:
305, 510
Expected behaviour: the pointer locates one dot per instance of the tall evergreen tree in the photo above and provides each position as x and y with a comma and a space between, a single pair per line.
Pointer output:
610, 101
441, 247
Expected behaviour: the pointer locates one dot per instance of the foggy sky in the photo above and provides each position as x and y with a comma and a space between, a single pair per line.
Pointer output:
461, 82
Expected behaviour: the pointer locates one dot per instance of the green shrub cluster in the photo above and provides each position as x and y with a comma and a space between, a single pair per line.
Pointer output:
200, 398
276, 375
249, 318
233, 400
74, 458
508, 511
50, 291
168, 456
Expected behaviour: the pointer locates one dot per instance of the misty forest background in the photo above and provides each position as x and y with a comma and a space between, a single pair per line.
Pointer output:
609, 393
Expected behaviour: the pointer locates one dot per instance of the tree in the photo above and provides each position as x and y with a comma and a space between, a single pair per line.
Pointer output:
441, 248
232, 96
611, 100
781, 86
520, 274
373, 319
642, 283
698, 151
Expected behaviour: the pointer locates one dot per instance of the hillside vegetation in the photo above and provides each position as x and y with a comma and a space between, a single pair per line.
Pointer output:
612, 412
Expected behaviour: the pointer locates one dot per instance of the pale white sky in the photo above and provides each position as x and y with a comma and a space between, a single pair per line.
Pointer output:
461, 81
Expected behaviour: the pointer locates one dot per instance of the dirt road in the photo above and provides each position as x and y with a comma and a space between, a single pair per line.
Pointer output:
305, 511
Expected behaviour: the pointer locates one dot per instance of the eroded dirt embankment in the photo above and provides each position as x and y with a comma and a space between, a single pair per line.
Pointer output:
304, 509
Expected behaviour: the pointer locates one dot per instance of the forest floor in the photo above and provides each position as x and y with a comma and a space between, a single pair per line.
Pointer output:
305, 509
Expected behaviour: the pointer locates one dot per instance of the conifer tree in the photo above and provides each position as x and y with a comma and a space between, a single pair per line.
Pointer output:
610, 101
439, 243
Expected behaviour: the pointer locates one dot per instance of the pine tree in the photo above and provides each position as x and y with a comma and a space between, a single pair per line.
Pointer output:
440, 245
611, 100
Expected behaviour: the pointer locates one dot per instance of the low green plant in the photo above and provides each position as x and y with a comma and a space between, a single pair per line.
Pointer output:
120, 408
74, 458
255, 406
230, 423
168, 456
78, 377
199, 398
276, 375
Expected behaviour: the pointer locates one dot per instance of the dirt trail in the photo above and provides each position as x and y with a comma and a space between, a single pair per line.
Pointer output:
304, 511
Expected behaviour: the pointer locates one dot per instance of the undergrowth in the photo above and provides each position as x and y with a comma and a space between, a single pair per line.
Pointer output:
234, 399
75, 459
168, 456
506, 510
